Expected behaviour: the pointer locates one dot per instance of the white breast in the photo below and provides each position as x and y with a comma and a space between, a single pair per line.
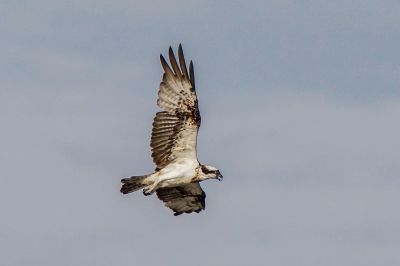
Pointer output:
180, 171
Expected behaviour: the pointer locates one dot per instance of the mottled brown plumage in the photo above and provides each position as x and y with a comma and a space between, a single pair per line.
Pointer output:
183, 199
173, 143
181, 116
175, 130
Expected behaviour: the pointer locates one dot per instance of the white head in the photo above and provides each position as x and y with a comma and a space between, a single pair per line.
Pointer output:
210, 172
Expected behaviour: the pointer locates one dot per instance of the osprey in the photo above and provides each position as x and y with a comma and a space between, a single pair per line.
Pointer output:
173, 142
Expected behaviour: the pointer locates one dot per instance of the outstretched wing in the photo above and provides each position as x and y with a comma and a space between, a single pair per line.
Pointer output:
174, 133
186, 198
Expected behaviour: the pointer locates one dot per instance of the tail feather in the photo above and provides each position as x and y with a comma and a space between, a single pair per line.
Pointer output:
132, 184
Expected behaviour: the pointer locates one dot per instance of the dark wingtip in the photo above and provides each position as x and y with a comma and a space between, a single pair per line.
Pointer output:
182, 62
174, 63
191, 70
162, 59
165, 66
191, 74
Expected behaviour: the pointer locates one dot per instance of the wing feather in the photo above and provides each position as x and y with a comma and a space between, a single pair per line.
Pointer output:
165, 66
182, 63
183, 199
191, 71
174, 133
174, 64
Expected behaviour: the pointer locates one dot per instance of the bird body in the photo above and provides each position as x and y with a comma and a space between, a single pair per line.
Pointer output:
179, 172
174, 142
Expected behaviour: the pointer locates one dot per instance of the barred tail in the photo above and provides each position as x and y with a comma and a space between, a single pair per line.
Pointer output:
132, 184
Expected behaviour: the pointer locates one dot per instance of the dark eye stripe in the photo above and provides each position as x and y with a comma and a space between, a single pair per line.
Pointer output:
206, 171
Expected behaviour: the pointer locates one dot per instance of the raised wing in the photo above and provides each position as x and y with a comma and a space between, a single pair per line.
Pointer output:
174, 133
183, 199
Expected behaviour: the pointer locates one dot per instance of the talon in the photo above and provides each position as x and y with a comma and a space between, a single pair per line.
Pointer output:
147, 192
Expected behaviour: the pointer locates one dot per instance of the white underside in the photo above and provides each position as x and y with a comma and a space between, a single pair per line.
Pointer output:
179, 172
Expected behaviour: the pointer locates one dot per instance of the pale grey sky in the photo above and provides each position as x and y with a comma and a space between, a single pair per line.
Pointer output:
300, 103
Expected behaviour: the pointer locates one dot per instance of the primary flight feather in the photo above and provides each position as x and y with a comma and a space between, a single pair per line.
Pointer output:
173, 143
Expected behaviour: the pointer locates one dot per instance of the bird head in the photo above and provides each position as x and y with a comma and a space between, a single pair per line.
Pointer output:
210, 172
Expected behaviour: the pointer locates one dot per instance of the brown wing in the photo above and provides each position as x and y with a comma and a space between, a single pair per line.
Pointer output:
183, 199
174, 133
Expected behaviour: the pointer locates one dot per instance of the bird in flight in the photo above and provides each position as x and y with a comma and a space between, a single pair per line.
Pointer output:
178, 173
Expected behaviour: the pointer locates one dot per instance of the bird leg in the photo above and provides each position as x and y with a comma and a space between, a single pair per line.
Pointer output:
150, 189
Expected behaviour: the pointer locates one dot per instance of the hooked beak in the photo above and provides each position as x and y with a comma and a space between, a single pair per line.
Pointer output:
219, 176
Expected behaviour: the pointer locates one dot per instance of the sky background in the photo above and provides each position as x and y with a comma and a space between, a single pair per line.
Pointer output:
300, 103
